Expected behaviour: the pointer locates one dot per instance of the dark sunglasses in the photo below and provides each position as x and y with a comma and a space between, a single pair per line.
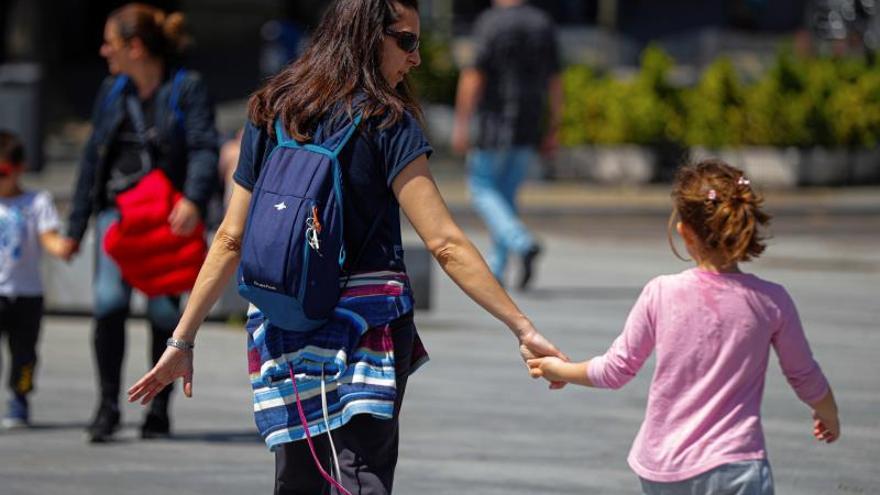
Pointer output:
408, 42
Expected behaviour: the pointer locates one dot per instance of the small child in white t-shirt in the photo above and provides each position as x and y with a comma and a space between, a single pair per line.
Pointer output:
28, 224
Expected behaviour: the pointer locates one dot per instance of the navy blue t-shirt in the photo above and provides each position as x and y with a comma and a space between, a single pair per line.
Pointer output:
370, 162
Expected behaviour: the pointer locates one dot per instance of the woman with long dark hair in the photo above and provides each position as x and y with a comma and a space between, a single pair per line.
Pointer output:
355, 69
150, 114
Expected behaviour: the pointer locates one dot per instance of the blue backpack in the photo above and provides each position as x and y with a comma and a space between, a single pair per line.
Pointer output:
293, 250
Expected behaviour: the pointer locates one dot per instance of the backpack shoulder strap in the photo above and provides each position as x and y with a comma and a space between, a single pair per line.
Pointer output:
115, 91
174, 99
281, 135
348, 134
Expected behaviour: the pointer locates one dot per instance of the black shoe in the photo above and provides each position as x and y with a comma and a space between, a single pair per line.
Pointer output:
104, 425
156, 425
528, 261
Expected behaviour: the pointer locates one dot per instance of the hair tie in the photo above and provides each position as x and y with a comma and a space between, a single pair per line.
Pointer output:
742, 181
712, 195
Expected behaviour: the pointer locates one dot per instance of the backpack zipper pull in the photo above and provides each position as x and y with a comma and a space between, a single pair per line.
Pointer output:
313, 228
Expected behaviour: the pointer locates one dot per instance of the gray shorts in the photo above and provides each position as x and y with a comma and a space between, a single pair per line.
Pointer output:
735, 478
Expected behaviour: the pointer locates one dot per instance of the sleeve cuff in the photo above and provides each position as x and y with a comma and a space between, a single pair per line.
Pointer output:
594, 372
426, 150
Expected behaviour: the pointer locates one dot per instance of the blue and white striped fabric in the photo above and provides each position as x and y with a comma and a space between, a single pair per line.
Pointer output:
353, 353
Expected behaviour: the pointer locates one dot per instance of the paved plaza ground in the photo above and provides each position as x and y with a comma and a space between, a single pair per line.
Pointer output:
473, 422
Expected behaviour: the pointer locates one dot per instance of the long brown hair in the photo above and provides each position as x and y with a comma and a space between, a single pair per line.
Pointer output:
718, 203
164, 35
343, 60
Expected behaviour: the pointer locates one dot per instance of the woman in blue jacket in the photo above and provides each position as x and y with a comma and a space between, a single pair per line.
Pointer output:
149, 113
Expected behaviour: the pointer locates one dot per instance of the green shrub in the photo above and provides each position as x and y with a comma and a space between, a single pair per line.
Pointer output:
715, 109
604, 110
797, 102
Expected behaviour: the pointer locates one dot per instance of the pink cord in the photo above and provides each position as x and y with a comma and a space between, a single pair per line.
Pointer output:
305, 424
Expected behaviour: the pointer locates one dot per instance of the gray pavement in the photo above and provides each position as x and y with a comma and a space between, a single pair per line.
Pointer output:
473, 422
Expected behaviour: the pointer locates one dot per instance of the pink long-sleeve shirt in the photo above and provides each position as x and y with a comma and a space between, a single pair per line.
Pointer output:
713, 334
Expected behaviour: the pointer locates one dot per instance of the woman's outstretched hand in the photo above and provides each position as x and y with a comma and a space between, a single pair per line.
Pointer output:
534, 345
175, 363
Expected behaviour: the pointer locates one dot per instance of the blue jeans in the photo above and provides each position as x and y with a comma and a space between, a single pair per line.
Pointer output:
735, 478
494, 177
112, 297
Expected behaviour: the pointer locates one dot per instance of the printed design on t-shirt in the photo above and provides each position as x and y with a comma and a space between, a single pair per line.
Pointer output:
12, 234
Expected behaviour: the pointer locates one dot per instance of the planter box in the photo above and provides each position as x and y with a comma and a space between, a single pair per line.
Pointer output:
823, 167
769, 167
607, 164
793, 167
864, 167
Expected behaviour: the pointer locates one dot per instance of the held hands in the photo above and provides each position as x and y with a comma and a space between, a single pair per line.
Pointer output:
184, 217
549, 368
556, 370
175, 363
65, 248
533, 345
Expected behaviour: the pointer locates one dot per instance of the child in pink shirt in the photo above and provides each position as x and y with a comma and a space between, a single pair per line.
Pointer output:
712, 327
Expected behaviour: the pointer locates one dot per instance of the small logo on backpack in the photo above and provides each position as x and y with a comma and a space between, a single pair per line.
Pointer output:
280, 206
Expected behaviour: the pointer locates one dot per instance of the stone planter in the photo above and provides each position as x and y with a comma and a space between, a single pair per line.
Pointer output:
823, 167
627, 164
793, 167
864, 167
769, 167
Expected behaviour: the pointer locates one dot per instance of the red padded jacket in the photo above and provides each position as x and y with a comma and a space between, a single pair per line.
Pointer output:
152, 258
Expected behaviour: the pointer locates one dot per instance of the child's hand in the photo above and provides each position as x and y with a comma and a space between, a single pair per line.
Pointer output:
548, 368
826, 429
556, 370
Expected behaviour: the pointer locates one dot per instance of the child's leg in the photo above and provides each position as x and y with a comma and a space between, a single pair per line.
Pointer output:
24, 332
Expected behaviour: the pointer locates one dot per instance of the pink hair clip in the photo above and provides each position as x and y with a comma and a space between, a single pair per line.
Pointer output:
712, 195
742, 181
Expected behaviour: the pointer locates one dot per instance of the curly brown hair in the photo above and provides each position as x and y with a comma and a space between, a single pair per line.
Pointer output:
342, 62
717, 202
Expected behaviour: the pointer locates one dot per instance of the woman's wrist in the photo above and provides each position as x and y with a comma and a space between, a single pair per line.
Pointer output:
180, 344
522, 328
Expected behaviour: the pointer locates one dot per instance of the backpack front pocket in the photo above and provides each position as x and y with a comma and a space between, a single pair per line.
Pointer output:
277, 226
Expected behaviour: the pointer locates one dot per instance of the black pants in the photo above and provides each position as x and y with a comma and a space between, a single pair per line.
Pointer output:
109, 347
20, 322
367, 446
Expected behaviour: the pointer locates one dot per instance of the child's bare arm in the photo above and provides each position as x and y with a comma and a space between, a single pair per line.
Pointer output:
556, 370
826, 424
